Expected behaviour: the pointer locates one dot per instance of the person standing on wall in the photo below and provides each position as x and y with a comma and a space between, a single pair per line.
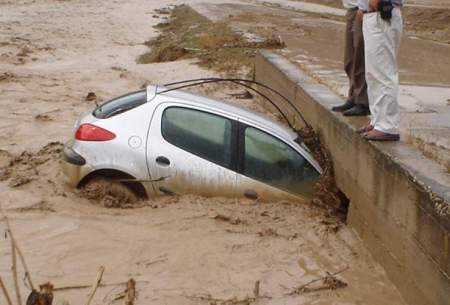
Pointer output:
357, 101
382, 29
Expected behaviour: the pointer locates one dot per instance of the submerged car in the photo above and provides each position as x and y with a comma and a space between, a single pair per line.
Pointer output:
154, 142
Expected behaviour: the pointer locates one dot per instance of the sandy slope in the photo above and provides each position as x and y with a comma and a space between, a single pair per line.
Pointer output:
53, 54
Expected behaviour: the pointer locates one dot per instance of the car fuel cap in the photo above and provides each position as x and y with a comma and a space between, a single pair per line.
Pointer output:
134, 142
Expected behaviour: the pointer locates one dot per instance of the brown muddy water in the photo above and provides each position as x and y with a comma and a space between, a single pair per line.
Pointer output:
183, 250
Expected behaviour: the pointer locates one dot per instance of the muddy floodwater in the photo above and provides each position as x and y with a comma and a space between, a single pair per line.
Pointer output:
179, 250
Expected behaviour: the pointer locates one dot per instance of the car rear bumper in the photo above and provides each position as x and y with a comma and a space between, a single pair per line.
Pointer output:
72, 166
72, 157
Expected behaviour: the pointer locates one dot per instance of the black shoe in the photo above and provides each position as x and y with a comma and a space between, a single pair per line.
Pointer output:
341, 108
357, 110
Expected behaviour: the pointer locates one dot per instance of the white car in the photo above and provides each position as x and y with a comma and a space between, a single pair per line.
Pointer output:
156, 142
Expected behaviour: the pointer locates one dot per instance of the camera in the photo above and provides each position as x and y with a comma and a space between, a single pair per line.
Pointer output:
385, 9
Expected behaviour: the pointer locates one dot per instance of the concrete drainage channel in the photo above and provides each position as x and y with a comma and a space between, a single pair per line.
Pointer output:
399, 201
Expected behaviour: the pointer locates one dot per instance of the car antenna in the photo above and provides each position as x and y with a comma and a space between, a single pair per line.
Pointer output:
241, 82
244, 85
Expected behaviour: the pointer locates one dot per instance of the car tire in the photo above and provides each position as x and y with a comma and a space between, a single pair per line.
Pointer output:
110, 193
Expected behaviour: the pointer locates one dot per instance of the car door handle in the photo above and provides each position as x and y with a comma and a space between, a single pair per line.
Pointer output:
162, 161
251, 194
166, 191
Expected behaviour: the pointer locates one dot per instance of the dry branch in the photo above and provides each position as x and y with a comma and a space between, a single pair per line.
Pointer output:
5, 292
62, 288
231, 301
16, 246
256, 290
14, 272
95, 285
303, 287
130, 292
43, 297
118, 297
74, 287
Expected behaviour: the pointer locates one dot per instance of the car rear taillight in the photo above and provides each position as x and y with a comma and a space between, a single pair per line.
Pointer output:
89, 132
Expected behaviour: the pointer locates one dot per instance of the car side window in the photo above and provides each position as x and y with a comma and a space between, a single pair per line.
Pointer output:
272, 161
204, 134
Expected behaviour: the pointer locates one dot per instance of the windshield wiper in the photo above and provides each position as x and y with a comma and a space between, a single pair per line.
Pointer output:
118, 111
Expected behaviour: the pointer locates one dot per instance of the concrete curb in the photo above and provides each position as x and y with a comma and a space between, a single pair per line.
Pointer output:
400, 201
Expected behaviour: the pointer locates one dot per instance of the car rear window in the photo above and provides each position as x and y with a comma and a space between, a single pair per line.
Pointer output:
120, 104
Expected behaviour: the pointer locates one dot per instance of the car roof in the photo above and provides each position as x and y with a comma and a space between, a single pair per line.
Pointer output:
240, 112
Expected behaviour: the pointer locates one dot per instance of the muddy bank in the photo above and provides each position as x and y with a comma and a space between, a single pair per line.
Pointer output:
187, 34
430, 21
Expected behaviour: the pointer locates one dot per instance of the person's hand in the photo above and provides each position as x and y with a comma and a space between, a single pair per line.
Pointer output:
360, 14
373, 5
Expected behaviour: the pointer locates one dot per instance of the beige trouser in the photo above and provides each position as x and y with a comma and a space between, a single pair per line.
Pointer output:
382, 41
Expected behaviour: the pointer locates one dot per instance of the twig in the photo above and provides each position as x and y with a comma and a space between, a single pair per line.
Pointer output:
256, 290
87, 286
95, 285
5, 292
14, 272
43, 297
156, 261
130, 292
22, 258
234, 300
148, 262
75, 287
118, 296
105, 298
302, 287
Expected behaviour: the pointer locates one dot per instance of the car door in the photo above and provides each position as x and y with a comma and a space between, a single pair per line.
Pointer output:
272, 170
192, 151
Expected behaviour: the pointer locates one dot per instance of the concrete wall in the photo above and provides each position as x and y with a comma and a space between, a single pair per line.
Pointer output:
399, 200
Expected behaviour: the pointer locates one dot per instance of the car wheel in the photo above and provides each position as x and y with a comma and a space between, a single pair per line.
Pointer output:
110, 193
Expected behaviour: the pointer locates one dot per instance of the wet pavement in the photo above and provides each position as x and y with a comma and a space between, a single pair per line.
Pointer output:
303, 6
314, 37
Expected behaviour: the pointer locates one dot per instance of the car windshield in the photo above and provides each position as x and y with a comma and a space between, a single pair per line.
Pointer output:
120, 104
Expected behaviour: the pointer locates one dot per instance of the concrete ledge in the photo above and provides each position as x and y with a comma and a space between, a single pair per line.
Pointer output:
400, 201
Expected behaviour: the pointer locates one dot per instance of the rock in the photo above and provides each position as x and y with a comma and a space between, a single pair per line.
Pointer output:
91, 96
